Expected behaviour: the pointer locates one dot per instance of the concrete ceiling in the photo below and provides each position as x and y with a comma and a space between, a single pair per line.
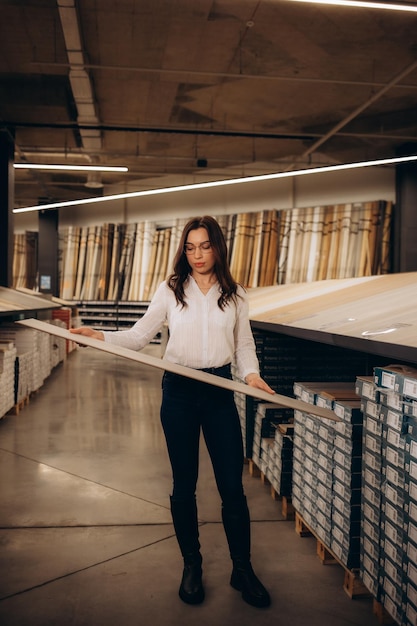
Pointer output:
185, 91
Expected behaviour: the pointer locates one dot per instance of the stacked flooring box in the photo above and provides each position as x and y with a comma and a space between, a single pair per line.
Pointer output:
272, 447
7, 375
389, 516
27, 358
284, 359
326, 488
281, 455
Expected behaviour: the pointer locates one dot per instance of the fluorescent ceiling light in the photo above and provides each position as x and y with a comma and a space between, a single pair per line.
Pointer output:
70, 168
218, 183
388, 6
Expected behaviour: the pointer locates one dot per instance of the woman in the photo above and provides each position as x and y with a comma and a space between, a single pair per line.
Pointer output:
207, 316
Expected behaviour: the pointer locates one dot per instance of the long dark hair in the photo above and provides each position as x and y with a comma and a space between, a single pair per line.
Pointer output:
176, 280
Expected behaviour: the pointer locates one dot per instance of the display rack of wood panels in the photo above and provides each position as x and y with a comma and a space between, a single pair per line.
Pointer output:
128, 261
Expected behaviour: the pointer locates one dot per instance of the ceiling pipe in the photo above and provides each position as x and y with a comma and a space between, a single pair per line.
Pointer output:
162, 130
207, 132
81, 85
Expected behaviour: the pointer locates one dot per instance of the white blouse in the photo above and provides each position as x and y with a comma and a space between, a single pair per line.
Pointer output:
201, 335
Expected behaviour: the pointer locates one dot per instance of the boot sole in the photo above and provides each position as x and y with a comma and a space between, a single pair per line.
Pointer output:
260, 603
196, 598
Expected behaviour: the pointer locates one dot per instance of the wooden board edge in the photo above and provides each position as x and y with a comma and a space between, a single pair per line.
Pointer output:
181, 370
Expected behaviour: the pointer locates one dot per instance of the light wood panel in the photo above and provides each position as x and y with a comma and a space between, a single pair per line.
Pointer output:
376, 308
23, 300
198, 375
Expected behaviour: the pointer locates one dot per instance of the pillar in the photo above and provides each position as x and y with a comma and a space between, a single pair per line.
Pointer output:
6, 208
405, 219
48, 252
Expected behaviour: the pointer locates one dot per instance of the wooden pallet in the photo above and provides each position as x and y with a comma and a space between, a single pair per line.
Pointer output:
287, 509
19, 406
352, 584
382, 614
253, 469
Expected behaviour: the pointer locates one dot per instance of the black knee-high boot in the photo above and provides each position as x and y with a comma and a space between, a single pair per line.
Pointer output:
184, 516
236, 523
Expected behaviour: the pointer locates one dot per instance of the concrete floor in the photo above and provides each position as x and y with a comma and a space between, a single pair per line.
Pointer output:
85, 530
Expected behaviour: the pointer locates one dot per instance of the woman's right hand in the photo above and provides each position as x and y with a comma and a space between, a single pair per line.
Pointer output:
88, 332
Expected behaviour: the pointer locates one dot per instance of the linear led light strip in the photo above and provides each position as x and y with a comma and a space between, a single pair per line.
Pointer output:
388, 6
70, 168
218, 183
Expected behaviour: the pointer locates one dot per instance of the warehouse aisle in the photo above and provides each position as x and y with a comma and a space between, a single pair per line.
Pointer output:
85, 530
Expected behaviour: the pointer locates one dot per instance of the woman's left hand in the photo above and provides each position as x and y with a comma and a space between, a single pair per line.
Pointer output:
254, 380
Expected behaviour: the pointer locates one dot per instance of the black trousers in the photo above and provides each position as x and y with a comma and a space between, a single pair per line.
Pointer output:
188, 408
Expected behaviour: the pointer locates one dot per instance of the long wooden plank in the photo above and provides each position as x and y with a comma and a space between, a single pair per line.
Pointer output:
163, 364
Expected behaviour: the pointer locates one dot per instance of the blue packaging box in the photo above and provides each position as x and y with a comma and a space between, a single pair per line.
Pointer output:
371, 513
365, 388
349, 411
351, 480
399, 378
372, 443
390, 399
394, 419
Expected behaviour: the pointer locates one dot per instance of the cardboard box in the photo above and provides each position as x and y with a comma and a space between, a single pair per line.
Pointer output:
371, 549
410, 531
410, 508
392, 531
349, 527
410, 407
390, 399
392, 418
410, 489
372, 443
400, 378
372, 461
348, 556
371, 531
365, 387
351, 480
373, 425
371, 512
394, 475
394, 495
393, 437
346, 508
349, 411
394, 456
353, 432
370, 582
394, 552
371, 481
371, 495
349, 447
410, 427
351, 463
